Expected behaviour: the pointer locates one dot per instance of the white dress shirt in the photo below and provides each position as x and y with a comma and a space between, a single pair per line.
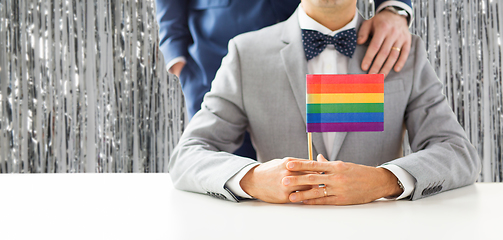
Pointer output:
329, 61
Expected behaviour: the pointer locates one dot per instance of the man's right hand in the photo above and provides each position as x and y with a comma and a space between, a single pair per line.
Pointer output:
176, 68
264, 181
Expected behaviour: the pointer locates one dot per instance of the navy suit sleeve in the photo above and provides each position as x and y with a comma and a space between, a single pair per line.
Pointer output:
378, 2
173, 28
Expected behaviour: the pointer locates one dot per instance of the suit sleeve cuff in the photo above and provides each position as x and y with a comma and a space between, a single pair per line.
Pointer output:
407, 180
233, 183
174, 61
399, 4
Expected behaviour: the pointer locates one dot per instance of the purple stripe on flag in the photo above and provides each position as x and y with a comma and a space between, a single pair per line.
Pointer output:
346, 127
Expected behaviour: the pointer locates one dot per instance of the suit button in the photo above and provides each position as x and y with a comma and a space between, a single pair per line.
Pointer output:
424, 192
216, 195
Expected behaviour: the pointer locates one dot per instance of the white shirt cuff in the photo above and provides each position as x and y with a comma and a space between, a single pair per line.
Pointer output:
233, 182
407, 180
175, 60
399, 4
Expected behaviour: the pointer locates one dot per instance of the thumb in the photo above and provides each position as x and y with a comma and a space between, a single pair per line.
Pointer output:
321, 158
364, 32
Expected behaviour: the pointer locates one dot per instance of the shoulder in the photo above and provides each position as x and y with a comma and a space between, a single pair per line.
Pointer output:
418, 56
417, 46
264, 38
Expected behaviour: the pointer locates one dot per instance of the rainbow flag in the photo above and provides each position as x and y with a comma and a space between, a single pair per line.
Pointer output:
345, 103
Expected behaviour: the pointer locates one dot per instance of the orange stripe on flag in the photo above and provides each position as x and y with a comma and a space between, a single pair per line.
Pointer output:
345, 88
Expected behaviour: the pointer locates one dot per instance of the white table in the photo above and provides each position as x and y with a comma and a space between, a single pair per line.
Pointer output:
146, 206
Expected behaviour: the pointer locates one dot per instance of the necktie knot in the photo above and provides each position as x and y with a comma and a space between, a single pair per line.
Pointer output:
315, 42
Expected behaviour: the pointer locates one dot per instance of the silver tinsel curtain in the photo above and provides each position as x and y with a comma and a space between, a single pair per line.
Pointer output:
83, 88
463, 39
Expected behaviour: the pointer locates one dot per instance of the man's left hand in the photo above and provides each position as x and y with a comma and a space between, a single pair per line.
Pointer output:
391, 42
345, 183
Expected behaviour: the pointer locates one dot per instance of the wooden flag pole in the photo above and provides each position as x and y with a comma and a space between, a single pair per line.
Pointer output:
310, 145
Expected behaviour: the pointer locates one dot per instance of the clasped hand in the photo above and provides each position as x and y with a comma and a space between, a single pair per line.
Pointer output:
297, 180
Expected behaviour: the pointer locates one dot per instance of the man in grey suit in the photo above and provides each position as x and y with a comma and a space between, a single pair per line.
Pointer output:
260, 87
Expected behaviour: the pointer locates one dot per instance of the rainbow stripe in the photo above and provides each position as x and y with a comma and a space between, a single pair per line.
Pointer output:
345, 103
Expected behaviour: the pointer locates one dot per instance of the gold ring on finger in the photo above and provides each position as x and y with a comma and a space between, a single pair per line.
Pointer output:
325, 191
396, 48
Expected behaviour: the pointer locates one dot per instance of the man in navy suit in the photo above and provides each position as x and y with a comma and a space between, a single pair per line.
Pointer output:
194, 36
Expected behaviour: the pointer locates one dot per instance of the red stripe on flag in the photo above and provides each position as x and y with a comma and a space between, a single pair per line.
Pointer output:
345, 78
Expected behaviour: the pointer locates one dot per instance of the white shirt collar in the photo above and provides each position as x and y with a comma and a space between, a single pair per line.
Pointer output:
306, 22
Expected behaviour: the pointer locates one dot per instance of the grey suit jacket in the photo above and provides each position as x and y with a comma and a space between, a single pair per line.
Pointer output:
260, 87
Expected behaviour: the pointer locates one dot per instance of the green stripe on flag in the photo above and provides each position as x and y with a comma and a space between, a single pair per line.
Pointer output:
345, 107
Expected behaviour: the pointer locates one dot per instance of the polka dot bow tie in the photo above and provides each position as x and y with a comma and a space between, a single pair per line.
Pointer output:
315, 42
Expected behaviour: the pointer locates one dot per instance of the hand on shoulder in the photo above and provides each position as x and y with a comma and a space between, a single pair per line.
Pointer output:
390, 43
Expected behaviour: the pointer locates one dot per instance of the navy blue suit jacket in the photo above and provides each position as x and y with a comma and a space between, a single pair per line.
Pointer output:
199, 30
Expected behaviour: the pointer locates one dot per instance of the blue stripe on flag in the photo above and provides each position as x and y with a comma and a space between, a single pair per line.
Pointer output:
345, 117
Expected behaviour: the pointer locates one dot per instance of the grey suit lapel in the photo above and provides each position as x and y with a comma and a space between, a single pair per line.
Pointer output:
354, 64
295, 64
353, 68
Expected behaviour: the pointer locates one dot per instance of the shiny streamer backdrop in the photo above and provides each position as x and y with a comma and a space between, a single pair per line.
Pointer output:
463, 39
84, 88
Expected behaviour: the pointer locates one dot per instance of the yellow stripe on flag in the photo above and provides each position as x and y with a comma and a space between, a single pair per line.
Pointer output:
346, 98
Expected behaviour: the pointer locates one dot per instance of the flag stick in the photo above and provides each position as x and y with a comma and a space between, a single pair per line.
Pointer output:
310, 145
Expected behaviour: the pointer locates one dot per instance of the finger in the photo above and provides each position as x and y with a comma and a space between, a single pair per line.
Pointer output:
404, 54
289, 159
300, 173
310, 179
308, 166
330, 200
308, 194
374, 46
321, 158
364, 32
381, 56
390, 62
302, 188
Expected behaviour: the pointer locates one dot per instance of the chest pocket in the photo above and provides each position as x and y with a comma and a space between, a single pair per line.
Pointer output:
205, 4
394, 86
